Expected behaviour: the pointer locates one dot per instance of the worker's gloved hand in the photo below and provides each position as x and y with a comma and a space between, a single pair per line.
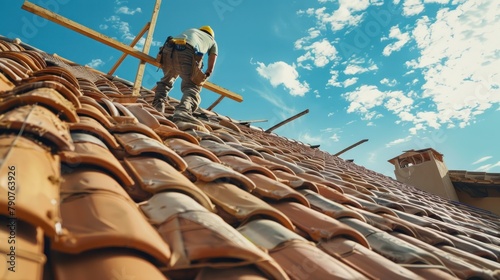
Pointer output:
208, 73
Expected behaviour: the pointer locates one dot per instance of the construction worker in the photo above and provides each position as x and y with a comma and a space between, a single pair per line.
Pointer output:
182, 56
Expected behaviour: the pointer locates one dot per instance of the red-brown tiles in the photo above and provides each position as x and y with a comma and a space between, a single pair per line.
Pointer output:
153, 175
37, 203
109, 263
300, 258
97, 213
27, 261
195, 233
40, 124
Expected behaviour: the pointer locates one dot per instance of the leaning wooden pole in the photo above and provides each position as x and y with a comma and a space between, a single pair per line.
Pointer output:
287, 120
147, 46
350, 147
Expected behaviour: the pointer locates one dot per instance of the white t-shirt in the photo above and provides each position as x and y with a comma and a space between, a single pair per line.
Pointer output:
200, 41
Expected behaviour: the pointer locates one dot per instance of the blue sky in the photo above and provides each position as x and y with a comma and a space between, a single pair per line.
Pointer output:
405, 74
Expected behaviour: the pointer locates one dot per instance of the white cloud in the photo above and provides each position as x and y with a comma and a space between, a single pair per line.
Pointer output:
460, 58
121, 26
320, 52
281, 73
412, 7
313, 33
127, 11
95, 63
488, 167
388, 82
483, 159
350, 82
402, 39
353, 69
335, 137
366, 98
310, 139
398, 141
349, 13
333, 81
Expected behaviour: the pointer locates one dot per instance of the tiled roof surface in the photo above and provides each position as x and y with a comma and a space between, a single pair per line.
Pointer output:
108, 188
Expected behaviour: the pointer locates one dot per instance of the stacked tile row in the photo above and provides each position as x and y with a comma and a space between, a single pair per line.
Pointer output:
108, 188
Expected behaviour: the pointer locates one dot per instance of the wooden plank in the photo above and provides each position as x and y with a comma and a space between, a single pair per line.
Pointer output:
37, 10
147, 44
215, 103
30, 7
222, 91
269, 130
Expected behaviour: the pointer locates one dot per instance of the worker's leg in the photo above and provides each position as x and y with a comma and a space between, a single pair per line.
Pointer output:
166, 83
190, 92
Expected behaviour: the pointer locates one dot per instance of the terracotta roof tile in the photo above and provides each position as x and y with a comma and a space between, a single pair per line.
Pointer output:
245, 165
108, 263
239, 206
270, 189
38, 123
30, 239
194, 233
38, 203
139, 144
98, 214
205, 170
318, 226
364, 260
89, 150
458, 266
221, 149
153, 175
394, 249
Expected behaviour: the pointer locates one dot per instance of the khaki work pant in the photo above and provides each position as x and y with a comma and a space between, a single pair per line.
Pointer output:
179, 63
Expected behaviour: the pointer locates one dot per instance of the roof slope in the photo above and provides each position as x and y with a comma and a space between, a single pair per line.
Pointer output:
105, 187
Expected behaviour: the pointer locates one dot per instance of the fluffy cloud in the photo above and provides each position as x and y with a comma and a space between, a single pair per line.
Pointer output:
402, 39
353, 69
412, 7
388, 82
398, 141
320, 52
127, 11
365, 99
281, 73
95, 63
460, 58
348, 14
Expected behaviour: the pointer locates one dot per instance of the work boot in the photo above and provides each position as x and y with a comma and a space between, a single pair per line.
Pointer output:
162, 106
159, 105
182, 116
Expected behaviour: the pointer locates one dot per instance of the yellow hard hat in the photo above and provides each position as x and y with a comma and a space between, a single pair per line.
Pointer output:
208, 29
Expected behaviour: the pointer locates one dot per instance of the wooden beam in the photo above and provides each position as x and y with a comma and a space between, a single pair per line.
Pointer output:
30, 7
287, 120
222, 91
37, 10
136, 39
215, 103
147, 44
350, 147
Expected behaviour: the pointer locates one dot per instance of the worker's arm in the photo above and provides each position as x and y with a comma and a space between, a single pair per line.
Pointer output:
211, 63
